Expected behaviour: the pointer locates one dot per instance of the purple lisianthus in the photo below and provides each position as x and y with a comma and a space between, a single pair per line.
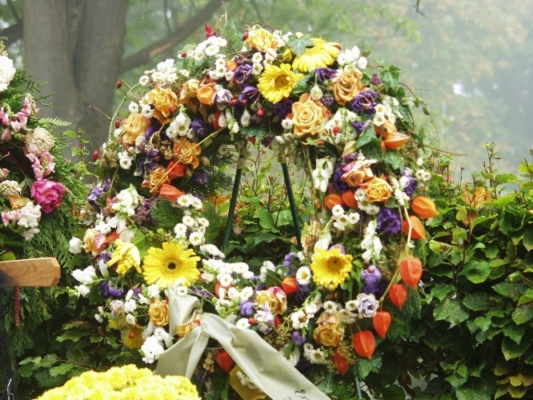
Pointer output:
373, 283
388, 221
409, 185
242, 73
149, 132
327, 100
250, 93
302, 293
297, 338
200, 177
222, 98
339, 184
247, 308
282, 108
95, 195
200, 128
367, 305
109, 291
365, 102
325, 74
360, 126
143, 213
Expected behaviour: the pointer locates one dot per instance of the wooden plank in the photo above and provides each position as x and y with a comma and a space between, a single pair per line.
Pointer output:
33, 272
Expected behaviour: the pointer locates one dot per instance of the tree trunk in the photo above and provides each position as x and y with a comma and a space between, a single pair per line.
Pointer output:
76, 46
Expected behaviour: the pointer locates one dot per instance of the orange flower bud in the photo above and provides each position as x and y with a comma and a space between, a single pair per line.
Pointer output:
398, 294
411, 271
349, 199
364, 343
418, 230
170, 192
381, 322
395, 140
341, 363
424, 207
175, 170
289, 285
331, 200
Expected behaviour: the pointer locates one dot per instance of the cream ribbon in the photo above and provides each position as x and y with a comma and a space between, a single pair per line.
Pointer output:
264, 365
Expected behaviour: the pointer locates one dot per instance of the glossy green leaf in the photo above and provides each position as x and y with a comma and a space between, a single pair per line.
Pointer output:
476, 271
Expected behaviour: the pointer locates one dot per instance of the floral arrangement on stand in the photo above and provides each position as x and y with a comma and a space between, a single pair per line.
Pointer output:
154, 224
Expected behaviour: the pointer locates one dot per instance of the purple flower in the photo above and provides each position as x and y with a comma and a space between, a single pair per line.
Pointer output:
267, 140
360, 126
324, 74
327, 100
367, 305
200, 128
109, 291
375, 80
143, 213
247, 308
95, 195
410, 185
364, 102
297, 338
200, 177
222, 98
242, 73
373, 283
388, 221
250, 93
339, 184
149, 132
302, 293
282, 108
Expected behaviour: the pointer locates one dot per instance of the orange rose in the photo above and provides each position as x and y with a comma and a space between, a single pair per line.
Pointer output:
307, 116
346, 86
275, 298
377, 190
329, 331
205, 94
165, 102
261, 40
187, 152
134, 126
158, 313
156, 179
356, 173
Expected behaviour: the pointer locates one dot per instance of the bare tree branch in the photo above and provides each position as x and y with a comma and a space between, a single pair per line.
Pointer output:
145, 55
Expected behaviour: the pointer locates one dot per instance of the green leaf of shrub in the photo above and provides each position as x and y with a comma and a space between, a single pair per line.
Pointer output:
476, 271
451, 310
523, 313
477, 301
512, 350
61, 369
528, 239
265, 219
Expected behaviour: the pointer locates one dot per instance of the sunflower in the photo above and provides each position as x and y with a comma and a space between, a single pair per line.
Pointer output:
127, 256
277, 82
320, 55
164, 266
331, 267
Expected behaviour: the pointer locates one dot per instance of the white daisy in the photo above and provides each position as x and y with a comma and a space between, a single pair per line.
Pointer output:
243, 323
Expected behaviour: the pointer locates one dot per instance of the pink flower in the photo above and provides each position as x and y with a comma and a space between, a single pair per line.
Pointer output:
48, 194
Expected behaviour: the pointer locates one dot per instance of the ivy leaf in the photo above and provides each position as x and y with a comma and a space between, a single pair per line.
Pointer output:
366, 137
298, 45
523, 313
477, 301
372, 149
451, 310
528, 239
393, 160
391, 75
476, 271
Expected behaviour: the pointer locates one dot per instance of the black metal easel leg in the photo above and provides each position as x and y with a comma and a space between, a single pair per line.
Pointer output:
294, 210
231, 212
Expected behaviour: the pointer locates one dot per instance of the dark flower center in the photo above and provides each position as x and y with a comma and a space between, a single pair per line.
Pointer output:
172, 265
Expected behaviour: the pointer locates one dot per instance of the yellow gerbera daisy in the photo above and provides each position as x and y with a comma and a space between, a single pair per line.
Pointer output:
331, 267
164, 266
320, 55
127, 256
275, 83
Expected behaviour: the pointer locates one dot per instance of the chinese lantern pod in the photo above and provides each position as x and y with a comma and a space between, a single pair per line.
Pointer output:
395, 140
224, 360
349, 199
424, 207
289, 285
411, 271
398, 294
364, 343
331, 200
418, 230
381, 322
341, 363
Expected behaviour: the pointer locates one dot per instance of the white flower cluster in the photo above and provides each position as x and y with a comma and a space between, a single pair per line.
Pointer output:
165, 73
227, 274
422, 174
314, 356
208, 48
364, 204
191, 227
126, 201
245, 381
352, 58
180, 126
371, 243
322, 173
344, 221
26, 217
85, 277
7, 72
363, 306
339, 129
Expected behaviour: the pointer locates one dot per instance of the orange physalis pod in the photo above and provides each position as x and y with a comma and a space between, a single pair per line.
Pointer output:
424, 207
364, 343
411, 271
331, 200
224, 360
418, 230
396, 140
289, 285
349, 199
175, 170
398, 294
381, 322
341, 363
170, 192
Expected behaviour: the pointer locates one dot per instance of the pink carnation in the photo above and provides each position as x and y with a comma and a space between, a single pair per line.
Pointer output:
48, 194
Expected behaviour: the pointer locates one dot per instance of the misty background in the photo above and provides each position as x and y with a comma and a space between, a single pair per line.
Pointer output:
470, 61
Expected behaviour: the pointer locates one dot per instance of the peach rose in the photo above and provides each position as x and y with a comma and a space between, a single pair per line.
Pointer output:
158, 313
157, 178
307, 116
329, 331
165, 102
377, 190
187, 152
275, 298
356, 173
134, 126
346, 86
261, 40
205, 94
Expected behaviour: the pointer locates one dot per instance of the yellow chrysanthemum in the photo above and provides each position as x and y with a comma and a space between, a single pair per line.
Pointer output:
127, 256
275, 83
164, 266
331, 267
320, 55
